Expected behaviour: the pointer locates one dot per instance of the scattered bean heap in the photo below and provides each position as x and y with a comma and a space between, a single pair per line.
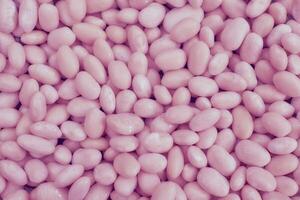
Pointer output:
149, 99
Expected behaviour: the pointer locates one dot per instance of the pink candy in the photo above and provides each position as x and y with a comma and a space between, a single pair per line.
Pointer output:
149, 99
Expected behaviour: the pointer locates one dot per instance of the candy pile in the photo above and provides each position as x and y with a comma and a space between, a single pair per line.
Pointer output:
149, 99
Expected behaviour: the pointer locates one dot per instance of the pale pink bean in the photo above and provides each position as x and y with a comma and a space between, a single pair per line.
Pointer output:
28, 15
11, 171
105, 174
185, 137
218, 63
96, 6
194, 191
204, 119
253, 103
225, 100
95, 68
80, 188
94, 123
162, 94
293, 64
207, 35
175, 163
12, 151
181, 96
276, 34
278, 12
179, 114
234, 8
264, 71
251, 48
275, 196
176, 15
231, 81
221, 160
36, 145
44, 74
68, 175
147, 108
159, 124
249, 192
36, 171
46, 130
196, 157
147, 182
35, 54
198, 57
98, 191
158, 142
87, 86
128, 16
67, 90
48, 17
171, 59
202, 86
261, 179
125, 100
73, 131
226, 139
119, 75
16, 55
164, 190
286, 185
61, 36
103, 51
146, 161
283, 145
116, 34
49, 93
67, 62
207, 138
8, 100
62, 155
238, 179
88, 158
210, 6
278, 57
88, 33
252, 153
141, 86
269, 93
276, 124
238, 27
126, 165
124, 144
147, 18
242, 125
125, 123
9, 83
213, 182
263, 24
282, 164
175, 79
256, 7
37, 107
138, 63
8, 16
121, 52
185, 30
160, 45
77, 9
137, 39
282, 108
